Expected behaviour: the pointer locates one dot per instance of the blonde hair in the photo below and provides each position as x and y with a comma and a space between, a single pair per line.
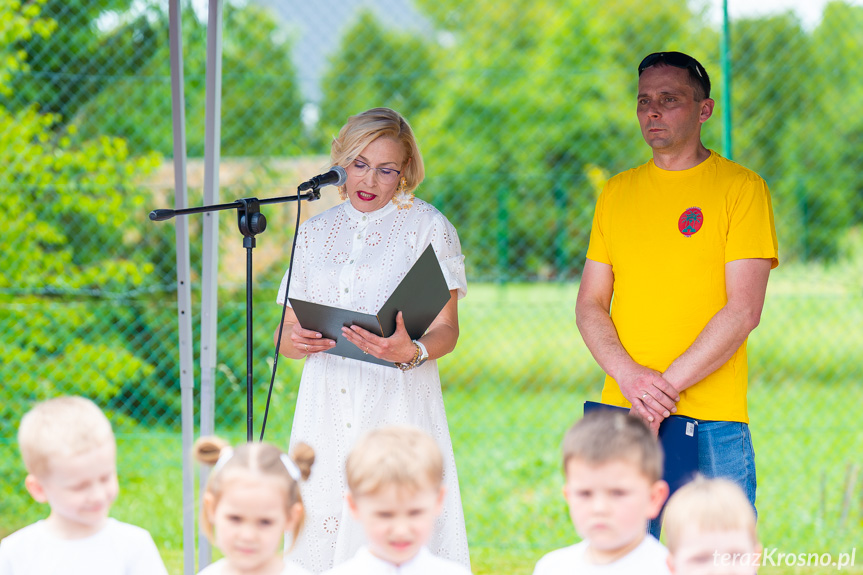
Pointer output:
707, 505
61, 427
605, 435
261, 459
366, 127
395, 455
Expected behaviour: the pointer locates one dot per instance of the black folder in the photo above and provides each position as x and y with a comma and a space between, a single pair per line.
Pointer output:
678, 436
420, 296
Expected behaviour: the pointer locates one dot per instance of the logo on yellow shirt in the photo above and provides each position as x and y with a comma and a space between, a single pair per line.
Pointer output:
690, 221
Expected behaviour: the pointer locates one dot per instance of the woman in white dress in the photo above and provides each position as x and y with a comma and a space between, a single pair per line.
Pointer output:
353, 256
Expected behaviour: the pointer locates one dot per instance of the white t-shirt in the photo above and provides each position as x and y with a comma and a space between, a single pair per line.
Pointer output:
364, 563
218, 567
119, 548
646, 559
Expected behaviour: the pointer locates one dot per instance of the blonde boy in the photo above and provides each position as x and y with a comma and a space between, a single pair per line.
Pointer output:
395, 482
613, 466
710, 530
69, 451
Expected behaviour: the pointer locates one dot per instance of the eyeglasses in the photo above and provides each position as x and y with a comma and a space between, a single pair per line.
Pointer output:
359, 169
678, 60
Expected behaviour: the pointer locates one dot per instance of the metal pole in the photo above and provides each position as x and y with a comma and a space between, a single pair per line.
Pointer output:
249, 243
210, 265
184, 291
726, 83
503, 233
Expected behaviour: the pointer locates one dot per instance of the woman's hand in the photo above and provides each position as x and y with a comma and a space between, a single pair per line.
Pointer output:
397, 348
307, 341
302, 342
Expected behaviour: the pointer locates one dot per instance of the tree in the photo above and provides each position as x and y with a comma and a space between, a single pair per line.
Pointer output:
836, 191
376, 67
78, 60
795, 135
261, 104
68, 239
19, 24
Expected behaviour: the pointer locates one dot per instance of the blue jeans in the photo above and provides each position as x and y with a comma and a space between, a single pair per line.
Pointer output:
724, 450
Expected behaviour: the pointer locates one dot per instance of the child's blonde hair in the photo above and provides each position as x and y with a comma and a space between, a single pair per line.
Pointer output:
605, 435
707, 505
262, 459
395, 455
366, 127
61, 427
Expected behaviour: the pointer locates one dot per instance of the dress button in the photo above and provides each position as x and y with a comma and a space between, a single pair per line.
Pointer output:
344, 390
352, 261
346, 290
349, 425
359, 236
364, 218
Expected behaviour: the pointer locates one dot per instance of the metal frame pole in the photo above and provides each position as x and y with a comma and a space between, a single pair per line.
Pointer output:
184, 291
210, 266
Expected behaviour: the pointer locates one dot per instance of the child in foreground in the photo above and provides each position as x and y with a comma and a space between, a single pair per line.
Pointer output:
395, 491
69, 452
252, 500
710, 530
613, 466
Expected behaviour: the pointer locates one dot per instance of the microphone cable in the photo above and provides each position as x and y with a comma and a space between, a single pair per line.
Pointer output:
282, 322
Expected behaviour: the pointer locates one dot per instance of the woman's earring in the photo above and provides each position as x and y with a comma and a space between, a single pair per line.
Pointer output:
403, 199
343, 192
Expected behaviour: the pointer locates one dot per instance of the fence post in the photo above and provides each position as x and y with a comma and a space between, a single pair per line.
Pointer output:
503, 232
725, 48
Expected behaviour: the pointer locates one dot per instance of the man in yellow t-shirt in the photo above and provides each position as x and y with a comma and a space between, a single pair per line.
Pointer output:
684, 244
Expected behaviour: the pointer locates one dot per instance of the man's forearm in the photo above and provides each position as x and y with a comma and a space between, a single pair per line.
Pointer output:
599, 334
716, 344
746, 284
651, 397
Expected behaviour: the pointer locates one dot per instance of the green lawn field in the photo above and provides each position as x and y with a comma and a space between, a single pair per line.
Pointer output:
519, 377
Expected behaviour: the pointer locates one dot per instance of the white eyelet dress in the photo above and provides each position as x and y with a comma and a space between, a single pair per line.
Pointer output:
354, 260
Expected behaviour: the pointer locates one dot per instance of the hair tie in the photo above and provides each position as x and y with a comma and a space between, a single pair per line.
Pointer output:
292, 468
224, 455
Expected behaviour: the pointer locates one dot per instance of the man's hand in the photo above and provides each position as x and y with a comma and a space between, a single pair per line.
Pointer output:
652, 398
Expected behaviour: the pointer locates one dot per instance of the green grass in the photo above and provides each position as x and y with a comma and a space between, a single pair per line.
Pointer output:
519, 377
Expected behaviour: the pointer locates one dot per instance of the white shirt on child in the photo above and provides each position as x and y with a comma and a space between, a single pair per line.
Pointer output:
218, 567
364, 563
646, 559
117, 548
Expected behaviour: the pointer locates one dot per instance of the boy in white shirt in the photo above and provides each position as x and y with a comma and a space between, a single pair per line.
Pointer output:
395, 491
710, 530
69, 451
613, 466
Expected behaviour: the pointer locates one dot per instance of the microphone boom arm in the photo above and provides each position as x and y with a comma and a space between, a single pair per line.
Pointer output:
162, 214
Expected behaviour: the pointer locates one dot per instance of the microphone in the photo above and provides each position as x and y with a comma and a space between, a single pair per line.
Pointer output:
335, 177
161, 215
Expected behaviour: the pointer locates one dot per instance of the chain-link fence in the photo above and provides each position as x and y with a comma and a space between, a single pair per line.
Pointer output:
522, 109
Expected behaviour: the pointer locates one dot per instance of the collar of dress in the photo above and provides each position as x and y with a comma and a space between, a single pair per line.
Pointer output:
357, 215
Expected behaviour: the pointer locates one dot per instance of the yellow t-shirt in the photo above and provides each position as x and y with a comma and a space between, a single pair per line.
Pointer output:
667, 236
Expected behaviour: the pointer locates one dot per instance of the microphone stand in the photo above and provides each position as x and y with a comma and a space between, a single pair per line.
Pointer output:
251, 221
